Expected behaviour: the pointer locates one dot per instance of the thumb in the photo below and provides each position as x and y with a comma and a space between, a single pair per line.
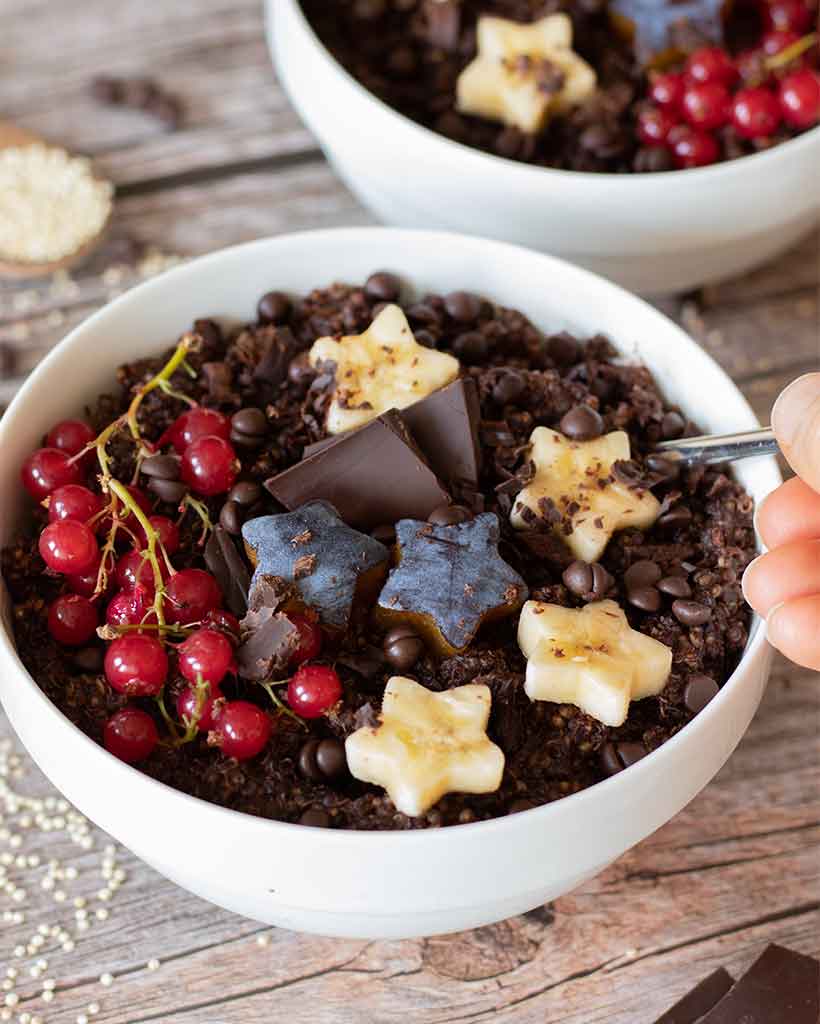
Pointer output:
796, 423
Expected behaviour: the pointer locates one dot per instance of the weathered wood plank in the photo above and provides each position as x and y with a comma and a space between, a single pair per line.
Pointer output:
711, 887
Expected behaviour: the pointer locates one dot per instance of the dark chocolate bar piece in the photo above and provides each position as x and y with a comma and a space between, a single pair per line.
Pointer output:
445, 427
700, 1000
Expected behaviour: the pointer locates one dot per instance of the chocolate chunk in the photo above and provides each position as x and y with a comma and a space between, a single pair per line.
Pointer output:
627, 472
385, 534
609, 760
614, 757
369, 663
383, 287
245, 493
349, 566
663, 468
269, 642
582, 423
678, 515
445, 426
700, 689
672, 426
449, 515
161, 467
449, 581
589, 581
372, 475
691, 613
229, 569
700, 1000
274, 308
463, 307
402, 648
781, 985
210, 332
219, 380
563, 349
674, 586
280, 349
630, 753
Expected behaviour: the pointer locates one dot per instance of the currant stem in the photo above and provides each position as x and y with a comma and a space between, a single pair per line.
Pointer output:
201, 510
279, 704
188, 343
790, 53
152, 538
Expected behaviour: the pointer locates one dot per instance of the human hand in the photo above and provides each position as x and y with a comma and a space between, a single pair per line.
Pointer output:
783, 586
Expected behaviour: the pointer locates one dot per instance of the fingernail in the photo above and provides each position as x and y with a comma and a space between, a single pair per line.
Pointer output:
772, 612
748, 569
794, 406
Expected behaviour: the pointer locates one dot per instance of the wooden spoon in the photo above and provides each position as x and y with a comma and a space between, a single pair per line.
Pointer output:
14, 137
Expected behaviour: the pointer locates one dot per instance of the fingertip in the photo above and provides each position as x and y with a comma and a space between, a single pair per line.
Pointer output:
796, 423
789, 513
794, 629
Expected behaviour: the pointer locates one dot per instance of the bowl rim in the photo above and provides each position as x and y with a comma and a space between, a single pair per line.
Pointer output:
531, 172
183, 276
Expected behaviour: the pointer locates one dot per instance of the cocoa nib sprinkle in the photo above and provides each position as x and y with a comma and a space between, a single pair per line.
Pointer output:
678, 581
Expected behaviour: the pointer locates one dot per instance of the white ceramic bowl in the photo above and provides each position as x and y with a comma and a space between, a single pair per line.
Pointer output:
652, 233
349, 883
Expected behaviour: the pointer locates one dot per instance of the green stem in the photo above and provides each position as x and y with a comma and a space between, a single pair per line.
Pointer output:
279, 704
790, 53
152, 538
186, 345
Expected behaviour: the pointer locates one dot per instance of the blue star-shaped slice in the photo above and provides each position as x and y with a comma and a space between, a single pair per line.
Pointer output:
449, 581
331, 565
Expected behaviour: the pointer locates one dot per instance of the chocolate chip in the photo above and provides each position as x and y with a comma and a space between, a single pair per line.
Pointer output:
274, 308
330, 757
644, 573
209, 331
88, 659
463, 307
384, 534
425, 338
307, 761
665, 469
299, 369
691, 613
443, 23
522, 804
315, 817
449, 515
672, 426
218, 379
245, 493
678, 515
251, 421
674, 586
647, 599
161, 467
627, 472
609, 760
509, 388
383, 287
172, 491
230, 518
582, 423
402, 648
563, 349
700, 689
471, 347
588, 581
421, 313
630, 753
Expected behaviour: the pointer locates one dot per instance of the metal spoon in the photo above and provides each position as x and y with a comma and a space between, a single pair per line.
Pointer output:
709, 448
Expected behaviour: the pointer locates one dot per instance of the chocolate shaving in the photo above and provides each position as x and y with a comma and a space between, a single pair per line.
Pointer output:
229, 569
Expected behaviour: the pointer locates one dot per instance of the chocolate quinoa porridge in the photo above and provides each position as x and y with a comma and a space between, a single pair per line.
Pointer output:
588, 85
315, 536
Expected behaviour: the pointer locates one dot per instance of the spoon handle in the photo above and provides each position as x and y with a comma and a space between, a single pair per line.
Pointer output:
711, 448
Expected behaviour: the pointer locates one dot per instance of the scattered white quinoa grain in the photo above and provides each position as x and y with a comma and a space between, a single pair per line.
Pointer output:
93, 1008
153, 964
106, 980
82, 1018
48, 995
50, 203
263, 940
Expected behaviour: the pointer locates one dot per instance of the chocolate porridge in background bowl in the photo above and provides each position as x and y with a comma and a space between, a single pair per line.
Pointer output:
380, 560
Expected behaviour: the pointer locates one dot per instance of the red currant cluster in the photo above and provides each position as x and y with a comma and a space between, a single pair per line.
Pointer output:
755, 92
154, 604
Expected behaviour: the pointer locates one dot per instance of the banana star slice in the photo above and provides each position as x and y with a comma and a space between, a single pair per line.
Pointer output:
590, 657
524, 74
427, 744
383, 368
575, 491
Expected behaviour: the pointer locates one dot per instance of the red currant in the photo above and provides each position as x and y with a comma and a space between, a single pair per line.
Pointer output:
84, 583
68, 546
314, 689
131, 735
47, 469
800, 98
786, 16
136, 665
70, 436
692, 148
711, 64
73, 502
310, 638
775, 42
706, 105
209, 466
72, 620
666, 89
654, 125
207, 653
133, 570
195, 424
190, 595
242, 729
755, 113
130, 608
187, 705
220, 619
167, 530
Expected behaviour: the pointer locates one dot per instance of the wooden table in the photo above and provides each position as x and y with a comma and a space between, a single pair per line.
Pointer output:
739, 868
